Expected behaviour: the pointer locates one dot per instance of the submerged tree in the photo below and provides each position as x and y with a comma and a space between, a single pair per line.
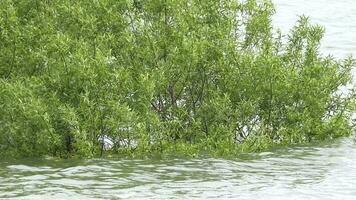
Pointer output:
156, 73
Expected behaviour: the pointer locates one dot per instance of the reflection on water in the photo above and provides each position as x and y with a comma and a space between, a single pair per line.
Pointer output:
311, 172
325, 171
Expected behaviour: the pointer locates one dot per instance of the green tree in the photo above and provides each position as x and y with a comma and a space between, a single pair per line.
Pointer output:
154, 75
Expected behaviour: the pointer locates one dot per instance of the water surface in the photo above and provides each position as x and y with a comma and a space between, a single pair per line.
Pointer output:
337, 17
318, 171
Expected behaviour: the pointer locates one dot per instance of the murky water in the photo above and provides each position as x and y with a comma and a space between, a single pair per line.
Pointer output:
324, 171
338, 18
318, 171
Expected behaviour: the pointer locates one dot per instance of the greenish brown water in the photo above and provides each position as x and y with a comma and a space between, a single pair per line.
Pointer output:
318, 171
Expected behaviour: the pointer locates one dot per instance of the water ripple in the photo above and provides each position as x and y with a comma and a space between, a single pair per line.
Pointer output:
314, 172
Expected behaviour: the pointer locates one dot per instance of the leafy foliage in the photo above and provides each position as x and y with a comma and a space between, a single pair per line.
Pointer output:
158, 74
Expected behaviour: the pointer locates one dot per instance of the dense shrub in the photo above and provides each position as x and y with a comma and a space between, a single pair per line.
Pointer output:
154, 74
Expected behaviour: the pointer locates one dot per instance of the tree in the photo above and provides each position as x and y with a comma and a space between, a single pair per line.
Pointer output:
159, 73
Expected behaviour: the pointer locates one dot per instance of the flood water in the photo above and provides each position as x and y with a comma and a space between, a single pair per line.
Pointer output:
316, 171
337, 17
